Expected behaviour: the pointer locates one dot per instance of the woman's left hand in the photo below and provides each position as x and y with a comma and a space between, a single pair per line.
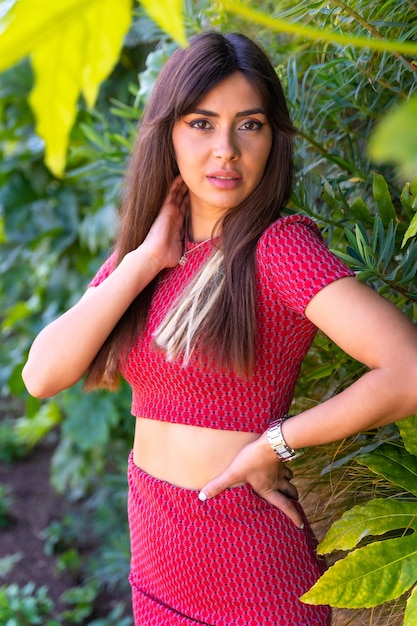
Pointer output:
258, 465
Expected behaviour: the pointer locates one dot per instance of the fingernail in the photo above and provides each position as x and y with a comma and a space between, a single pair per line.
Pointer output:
302, 526
202, 496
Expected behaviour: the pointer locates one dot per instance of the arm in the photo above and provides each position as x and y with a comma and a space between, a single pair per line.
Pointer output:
63, 351
371, 330
376, 333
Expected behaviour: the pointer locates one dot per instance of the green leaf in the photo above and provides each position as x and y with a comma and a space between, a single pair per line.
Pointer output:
387, 246
15, 314
89, 418
411, 609
408, 431
411, 231
383, 198
31, 430
408, 199
328, 196
369, 576
373, 518
324, 371
74, 45
360, 211
168, 15
395, 139
395, 464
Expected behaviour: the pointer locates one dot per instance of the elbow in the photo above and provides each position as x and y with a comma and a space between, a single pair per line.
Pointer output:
37, 385
408, 390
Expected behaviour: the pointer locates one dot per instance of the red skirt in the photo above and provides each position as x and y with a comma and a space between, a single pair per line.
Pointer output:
232, 560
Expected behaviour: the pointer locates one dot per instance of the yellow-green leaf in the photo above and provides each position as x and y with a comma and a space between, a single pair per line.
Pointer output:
369, 576
408, 431
411, 230
107, 23
30, 430
168, 15
411, 609
30, 22
74, 45
58, 69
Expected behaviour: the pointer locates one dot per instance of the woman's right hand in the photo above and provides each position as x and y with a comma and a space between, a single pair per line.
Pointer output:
164, 241
258, 465
63, 350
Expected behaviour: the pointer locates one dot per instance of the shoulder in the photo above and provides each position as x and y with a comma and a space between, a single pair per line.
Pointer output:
291, 229
292, 240
294, 260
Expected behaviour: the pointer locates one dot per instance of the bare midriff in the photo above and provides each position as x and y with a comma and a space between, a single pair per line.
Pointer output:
185, 456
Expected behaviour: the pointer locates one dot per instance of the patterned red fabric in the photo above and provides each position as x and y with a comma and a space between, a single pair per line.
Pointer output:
293, 265
233, 560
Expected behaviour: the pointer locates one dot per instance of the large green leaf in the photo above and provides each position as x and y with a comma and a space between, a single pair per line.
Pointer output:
395, 464
74, 45
369, 576
373, 518
89, 418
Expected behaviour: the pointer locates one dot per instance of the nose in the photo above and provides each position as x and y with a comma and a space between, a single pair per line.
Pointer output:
226, 146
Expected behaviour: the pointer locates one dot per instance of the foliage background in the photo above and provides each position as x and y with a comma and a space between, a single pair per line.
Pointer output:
56, 230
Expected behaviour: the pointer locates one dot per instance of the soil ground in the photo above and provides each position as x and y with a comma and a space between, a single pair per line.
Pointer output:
34, 506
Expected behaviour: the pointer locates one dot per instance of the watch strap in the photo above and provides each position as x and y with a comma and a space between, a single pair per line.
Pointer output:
275, 437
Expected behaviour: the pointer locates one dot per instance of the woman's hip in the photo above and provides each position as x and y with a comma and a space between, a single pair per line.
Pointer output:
232, 555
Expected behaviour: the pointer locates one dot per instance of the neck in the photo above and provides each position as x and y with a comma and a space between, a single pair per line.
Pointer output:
203, 222
201, 230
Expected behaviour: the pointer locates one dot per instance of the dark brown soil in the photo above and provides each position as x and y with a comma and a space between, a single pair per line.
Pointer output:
34, 506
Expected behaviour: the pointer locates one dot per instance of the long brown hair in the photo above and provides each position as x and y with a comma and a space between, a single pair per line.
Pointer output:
187, 77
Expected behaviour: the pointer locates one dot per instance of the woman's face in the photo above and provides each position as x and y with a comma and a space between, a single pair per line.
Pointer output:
222, 146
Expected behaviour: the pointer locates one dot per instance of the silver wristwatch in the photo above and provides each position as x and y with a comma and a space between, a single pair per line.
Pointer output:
277, 441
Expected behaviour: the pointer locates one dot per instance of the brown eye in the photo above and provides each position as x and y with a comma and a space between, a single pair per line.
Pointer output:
200, 124
252, 125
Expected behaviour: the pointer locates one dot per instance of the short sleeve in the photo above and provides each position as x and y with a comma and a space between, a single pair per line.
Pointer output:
296, 263
104, 271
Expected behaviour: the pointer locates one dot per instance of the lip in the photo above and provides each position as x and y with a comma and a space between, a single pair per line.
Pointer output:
224, 179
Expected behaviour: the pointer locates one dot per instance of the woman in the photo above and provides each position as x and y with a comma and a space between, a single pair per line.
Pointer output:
207, 308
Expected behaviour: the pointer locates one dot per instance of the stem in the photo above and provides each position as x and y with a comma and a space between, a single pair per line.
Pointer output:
372, 30
406, 294
342, 163
412, 5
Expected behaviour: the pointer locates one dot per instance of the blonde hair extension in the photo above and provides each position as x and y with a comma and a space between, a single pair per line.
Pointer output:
178, 333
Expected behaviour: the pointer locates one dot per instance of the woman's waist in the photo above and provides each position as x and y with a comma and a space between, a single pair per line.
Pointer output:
184, 455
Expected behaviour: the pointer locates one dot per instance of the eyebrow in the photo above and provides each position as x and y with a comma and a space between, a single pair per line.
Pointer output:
208, 113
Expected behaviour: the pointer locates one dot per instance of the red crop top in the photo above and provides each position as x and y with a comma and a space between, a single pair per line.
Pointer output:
293, 265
